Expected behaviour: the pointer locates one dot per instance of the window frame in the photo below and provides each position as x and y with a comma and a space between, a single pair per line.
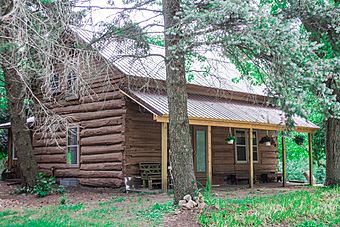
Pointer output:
245, 145
52, 81
68, 146
246, 134
206, 148
71, 94
14, 152
257, 147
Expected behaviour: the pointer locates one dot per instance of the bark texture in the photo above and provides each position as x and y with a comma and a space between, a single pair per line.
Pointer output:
181, 152
15, 90
321, 26
333, 148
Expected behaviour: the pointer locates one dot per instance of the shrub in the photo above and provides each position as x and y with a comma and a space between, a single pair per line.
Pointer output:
299, 139
43, 186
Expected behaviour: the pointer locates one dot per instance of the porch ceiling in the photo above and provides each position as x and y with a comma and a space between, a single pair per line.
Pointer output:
215, 111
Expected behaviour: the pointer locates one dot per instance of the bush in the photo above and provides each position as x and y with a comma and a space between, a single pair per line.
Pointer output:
296, 168
44, 186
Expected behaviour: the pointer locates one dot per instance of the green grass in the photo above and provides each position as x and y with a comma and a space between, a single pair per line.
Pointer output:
315, 207
319, 207
117, 211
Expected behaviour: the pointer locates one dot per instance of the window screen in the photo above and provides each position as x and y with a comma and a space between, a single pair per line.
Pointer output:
255, 147
72, 146
55, 82
241, 146
201, 150
14, 152
72, 82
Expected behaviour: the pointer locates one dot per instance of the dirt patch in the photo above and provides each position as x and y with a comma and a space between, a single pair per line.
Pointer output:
73, 195
181, 218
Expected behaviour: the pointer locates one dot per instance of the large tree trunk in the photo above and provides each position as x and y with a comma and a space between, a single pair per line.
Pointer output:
332, 124
181, 153
15, 90
333, 148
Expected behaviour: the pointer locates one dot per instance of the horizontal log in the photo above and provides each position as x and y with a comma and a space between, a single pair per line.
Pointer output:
52, 165
99, 87
102, 166
47, 143
50, 150
102, 122
55, 158
94, 97
102, 140
269, 155
86, 150
42, 136
101, 182
90, 107
145, 154
136, 161
113, 157
270, 161
104, 88
107, 78
95, 115
106, 130
88, 174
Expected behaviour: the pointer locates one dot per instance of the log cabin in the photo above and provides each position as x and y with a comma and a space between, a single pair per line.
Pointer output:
123, 120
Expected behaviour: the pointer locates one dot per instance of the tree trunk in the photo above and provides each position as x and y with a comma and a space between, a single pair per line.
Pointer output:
181, 153
15, 90
333, 148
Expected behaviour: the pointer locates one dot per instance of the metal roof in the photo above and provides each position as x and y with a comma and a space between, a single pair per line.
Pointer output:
207, 107
120, 53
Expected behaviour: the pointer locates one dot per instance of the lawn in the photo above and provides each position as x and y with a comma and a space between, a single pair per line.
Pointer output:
117, 211
319, 207
296, 207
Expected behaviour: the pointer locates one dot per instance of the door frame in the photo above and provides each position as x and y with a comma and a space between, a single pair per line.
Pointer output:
194, 133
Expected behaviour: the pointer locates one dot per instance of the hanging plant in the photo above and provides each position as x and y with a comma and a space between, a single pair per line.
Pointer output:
299, 139
230, 139
266, 140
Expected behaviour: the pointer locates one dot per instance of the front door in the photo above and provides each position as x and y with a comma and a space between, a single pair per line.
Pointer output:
200, 153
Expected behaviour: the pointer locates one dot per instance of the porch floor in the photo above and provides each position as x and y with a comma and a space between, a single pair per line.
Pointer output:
240, 191
261, 189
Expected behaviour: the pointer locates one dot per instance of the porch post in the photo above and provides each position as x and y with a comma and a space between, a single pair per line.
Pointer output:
310, 158
209, 156
251, 159
164, 157
283, 160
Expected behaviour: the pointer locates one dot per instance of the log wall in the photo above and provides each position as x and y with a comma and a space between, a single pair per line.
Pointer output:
143, 138
224, 162
115, 134
143, 144
100, 116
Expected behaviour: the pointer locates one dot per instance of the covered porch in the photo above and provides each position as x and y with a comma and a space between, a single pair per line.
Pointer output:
213, 119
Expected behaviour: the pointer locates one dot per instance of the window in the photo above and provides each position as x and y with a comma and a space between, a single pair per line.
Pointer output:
201, 147
14, 152
72, 146
55, 82
255, 148
242, 146
71, 80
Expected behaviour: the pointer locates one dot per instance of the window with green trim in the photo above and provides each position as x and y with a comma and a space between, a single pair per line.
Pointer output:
72, 146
